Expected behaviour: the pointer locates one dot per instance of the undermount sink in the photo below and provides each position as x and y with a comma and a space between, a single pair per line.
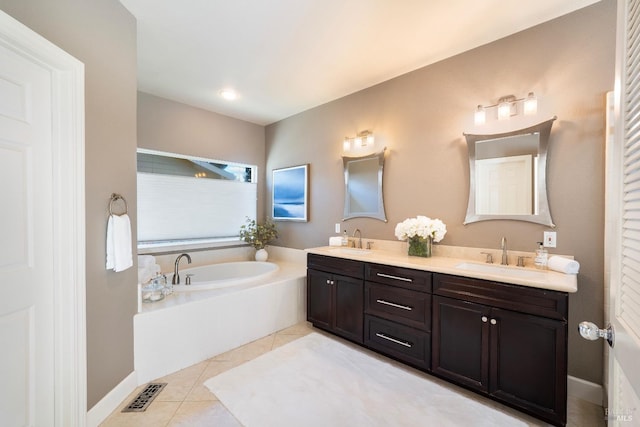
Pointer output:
351, 251
517, 272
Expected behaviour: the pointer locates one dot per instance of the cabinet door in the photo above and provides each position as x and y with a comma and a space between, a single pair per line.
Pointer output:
319, 298
349, 307
529, 363
460, 342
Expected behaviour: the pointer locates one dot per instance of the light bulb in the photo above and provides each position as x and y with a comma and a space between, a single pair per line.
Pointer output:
229, 94
480, 117
531, 104
504, 110
346, 145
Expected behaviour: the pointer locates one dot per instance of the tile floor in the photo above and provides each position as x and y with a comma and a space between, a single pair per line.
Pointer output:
185, 401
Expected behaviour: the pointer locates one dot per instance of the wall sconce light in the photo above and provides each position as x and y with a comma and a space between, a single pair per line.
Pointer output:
362, 140
506, 107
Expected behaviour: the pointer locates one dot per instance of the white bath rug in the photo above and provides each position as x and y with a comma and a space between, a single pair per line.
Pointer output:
319, 381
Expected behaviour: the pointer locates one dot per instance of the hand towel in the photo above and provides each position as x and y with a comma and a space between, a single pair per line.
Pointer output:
335, 241
563, 265
119, 256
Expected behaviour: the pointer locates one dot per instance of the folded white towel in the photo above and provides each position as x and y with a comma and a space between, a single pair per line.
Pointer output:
563, 265
335, 241
119, 256
146, 260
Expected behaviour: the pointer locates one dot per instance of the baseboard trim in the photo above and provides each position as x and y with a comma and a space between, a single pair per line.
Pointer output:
110, 402
585, 390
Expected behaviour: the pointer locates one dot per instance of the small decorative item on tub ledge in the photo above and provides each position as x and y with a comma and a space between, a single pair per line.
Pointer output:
421, 232
259, 236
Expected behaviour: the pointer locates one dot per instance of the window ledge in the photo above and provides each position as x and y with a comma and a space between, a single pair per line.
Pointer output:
175, 246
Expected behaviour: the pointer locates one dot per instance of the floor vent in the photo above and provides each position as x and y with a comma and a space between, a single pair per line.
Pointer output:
144, 398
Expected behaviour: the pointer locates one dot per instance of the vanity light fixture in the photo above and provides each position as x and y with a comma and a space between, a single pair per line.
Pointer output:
362, 140
507, 107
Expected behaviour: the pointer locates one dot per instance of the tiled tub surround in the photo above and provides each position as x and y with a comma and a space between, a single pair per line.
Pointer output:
188, 327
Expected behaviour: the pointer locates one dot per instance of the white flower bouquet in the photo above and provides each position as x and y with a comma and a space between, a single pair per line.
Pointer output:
421, 231
421, 226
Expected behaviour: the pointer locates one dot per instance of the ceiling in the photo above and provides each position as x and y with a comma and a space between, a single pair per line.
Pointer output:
286, 56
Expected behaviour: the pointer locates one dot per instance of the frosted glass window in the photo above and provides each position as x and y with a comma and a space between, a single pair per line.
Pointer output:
182, 199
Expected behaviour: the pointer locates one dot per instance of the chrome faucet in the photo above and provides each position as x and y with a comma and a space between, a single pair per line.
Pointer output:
357, 230
176, 276
503, 246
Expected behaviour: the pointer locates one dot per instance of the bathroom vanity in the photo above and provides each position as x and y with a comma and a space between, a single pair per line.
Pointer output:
500, 332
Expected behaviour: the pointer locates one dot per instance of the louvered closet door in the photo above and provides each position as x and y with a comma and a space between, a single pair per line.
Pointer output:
623, 223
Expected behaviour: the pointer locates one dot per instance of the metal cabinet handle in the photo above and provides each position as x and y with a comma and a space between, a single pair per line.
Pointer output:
330, 282
494, 321
388, 276
484, 319
393, 304
404, 343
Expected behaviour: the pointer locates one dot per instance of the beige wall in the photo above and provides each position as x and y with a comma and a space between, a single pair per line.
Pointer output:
101, 34
173, 127
420, 117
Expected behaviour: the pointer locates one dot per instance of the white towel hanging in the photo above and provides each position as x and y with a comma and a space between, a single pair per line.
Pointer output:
119, 253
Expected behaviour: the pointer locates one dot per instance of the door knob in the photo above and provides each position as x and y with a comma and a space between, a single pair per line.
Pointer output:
590, 331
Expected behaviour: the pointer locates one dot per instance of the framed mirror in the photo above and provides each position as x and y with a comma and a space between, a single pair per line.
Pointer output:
508, 175
363, 186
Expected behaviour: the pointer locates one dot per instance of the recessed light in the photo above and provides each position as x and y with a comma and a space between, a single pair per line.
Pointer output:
228, 94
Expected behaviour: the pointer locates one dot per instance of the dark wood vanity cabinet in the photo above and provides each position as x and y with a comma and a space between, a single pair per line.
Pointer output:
335, 289
397, 306
506, 341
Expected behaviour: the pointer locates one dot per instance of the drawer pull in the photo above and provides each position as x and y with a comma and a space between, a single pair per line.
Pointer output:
393, 304
389, 276
404, 343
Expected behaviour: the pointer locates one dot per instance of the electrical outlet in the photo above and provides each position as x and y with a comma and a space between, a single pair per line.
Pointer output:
337, 227
550, 239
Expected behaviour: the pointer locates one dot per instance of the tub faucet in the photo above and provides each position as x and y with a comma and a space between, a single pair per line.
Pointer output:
357, 230
503, 246
176, 276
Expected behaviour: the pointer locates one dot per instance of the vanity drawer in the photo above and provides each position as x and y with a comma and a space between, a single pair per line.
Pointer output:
400, 342
540, 302
345, 267
399, 305
417, 280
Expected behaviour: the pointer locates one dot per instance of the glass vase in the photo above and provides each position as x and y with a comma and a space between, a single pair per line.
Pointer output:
420, 246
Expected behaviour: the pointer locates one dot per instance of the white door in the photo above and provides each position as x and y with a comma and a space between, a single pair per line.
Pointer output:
622, 225
42, 333
504, 186
26, 254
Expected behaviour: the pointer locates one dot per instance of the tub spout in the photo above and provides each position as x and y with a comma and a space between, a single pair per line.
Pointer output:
176, 276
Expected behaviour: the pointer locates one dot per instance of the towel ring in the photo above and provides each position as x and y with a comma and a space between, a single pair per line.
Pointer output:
114, 198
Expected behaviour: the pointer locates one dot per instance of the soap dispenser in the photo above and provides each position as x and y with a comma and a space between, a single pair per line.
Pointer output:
345, 238
541, 257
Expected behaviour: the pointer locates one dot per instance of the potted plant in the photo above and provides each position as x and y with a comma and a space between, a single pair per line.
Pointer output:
259, 236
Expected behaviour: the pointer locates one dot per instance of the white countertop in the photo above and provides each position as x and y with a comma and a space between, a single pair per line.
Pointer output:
543, 279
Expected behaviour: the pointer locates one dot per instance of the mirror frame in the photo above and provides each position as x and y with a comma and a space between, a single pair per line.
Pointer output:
380, 213
544, 214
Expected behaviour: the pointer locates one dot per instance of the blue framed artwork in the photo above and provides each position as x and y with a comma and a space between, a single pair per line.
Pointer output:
290, 194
